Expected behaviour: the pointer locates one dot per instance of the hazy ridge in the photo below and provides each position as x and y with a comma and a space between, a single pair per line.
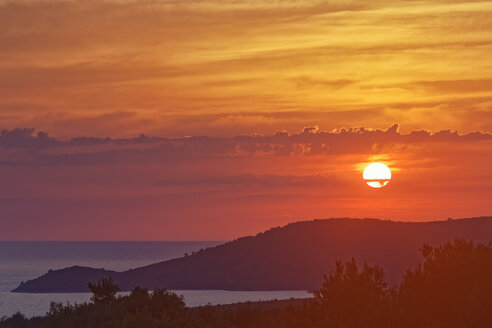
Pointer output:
293, 257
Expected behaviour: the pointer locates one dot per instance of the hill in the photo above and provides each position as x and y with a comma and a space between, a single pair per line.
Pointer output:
293, 257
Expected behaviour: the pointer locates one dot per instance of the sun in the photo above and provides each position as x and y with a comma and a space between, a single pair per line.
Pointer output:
377, 175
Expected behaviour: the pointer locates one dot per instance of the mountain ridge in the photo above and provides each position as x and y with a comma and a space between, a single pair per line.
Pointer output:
292, 257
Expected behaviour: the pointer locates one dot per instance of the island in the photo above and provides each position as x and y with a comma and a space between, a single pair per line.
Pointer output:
292, 257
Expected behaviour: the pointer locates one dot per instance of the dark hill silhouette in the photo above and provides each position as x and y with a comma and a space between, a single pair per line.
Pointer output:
293, 257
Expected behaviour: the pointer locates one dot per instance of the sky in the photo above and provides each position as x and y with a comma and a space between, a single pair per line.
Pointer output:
210, 120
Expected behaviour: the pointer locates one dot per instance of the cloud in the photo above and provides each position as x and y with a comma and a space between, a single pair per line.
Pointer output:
161, 116
268, 181
212, 67
24, 138
7, 163
137, 188
310, 141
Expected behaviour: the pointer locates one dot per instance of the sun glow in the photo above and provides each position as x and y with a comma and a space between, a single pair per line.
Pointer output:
377, 175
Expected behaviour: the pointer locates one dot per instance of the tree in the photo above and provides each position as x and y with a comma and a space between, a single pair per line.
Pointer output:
352, 297
104, 291
165, 301
452, 288
17, 320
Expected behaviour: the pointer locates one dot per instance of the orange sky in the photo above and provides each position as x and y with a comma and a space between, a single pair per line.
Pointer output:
218, 188
228, 67
238, 72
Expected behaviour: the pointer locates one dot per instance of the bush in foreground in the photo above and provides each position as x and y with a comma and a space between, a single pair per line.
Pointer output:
452, 288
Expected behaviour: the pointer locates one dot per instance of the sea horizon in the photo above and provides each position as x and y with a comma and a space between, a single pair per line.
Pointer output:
24, 260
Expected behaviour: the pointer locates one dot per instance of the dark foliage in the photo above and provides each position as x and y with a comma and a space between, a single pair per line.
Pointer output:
104, 291
351, 297
452, 288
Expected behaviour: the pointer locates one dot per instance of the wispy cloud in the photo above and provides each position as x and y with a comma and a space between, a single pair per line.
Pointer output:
170, 61
145, 184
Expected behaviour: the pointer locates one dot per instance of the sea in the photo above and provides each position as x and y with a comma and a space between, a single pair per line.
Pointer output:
21, 261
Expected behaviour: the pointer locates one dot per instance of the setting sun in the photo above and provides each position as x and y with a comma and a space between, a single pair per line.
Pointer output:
377, 175
189, 164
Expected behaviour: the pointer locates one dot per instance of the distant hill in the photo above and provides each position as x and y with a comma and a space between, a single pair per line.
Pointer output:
293, 257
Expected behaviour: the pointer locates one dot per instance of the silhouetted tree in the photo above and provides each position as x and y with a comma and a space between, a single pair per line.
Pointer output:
355, 298
452, 288
162, 300
104, 290
17, 320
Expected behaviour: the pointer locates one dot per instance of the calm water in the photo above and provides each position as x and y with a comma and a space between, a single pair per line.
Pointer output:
20, 261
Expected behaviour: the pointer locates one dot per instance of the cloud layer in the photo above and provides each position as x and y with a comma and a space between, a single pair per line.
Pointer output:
225, 68
155, 188
214, 119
